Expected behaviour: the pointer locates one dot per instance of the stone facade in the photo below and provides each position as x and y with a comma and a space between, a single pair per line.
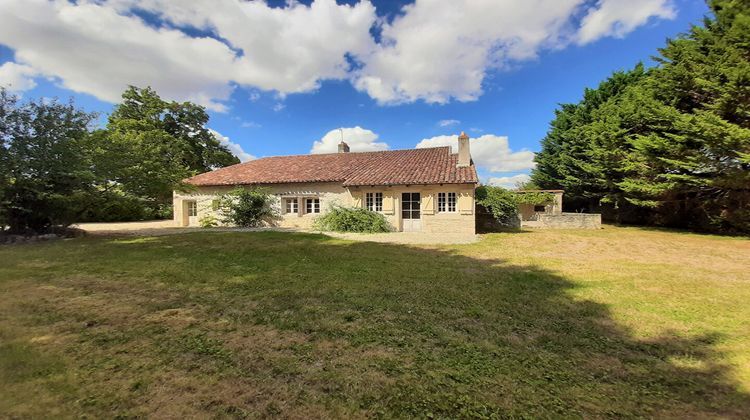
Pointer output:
460, 220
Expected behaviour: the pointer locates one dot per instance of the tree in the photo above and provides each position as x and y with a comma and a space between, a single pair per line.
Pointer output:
147, 149
698, 167
46, 172
671, 144
577, 138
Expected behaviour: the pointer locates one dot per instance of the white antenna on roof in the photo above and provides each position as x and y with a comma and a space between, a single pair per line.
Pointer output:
341, 130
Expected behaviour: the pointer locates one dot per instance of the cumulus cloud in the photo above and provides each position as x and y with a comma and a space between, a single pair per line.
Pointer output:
359, 140
439, 50
509, 181
101, 47
235, 148
448, 123
434, 50
617, 18
17, 77
489, 152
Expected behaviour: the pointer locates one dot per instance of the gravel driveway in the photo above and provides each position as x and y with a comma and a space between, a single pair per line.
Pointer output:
167, 227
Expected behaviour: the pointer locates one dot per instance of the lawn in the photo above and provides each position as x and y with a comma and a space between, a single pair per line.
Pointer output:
617, 322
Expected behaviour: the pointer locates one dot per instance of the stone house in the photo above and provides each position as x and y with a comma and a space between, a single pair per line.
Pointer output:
419, 190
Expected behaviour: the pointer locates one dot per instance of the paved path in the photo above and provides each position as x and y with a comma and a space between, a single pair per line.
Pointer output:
167, 227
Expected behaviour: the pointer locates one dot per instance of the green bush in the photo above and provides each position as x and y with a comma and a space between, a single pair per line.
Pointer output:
208, 221
352, 219
501, 203
247, 207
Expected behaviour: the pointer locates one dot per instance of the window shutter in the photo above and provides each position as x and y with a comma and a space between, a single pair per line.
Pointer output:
466, 203
357, 200
428, 204
388, 207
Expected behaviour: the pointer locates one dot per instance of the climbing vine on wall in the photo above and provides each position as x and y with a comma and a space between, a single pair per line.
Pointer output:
536, 198
503, 204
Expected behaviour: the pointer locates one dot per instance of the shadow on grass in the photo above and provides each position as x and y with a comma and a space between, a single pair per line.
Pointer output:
415, 332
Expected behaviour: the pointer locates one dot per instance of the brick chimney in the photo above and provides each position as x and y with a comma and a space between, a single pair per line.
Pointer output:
464, 155
343, 147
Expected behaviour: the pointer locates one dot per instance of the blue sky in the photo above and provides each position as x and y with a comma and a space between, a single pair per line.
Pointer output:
278, 77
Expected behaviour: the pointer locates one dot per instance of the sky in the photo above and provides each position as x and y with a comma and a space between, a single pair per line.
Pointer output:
293, 77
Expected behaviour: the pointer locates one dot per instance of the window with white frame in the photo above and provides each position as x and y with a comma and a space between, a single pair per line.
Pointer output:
192, 208
374, 201
447, 202
291, 205
312, 205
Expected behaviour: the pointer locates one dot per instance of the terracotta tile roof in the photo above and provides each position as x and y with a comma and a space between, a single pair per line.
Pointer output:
436, 165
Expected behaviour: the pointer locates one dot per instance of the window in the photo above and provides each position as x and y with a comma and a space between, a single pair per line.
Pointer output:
374, 201
290, 205
192, 208
312, 205
446, 202
540, 209
215, 205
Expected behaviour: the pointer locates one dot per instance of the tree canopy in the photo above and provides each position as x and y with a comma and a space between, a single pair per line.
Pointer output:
55, 169
668, 145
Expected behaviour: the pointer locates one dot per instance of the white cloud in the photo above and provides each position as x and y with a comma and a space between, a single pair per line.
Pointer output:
17, 77
509, 181
435, 50
358, 139
441, 50
489, 152
249, 124
278, 107
448, 123
100, 47
617, 18
235, 148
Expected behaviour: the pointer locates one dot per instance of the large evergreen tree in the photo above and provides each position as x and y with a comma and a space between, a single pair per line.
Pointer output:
581, 150
673, 142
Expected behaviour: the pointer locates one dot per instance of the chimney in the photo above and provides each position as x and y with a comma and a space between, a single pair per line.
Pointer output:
464, 155
343, 147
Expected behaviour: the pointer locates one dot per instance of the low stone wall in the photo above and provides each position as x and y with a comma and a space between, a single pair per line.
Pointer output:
565, 221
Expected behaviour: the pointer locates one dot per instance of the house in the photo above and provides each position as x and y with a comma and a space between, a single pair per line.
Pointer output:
419, 190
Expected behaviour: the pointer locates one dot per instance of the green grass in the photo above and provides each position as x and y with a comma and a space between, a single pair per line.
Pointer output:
619, 322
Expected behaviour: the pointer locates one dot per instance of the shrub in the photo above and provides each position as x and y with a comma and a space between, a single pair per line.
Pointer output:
352, 219
247, 207
208, 221
501, 203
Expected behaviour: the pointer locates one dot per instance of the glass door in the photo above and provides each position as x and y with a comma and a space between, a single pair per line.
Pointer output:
410, 212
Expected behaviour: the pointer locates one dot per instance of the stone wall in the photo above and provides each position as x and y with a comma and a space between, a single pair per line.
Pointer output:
565, 221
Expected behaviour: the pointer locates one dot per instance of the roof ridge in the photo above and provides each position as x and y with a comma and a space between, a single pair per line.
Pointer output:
352, 153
